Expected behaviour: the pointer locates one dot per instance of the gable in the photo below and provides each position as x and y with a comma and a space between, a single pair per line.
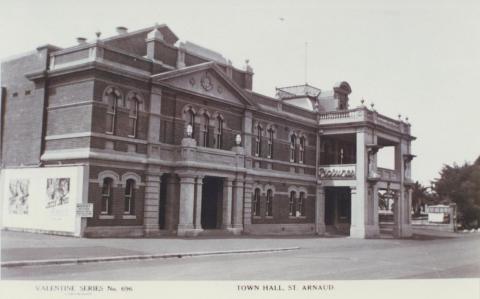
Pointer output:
207, 82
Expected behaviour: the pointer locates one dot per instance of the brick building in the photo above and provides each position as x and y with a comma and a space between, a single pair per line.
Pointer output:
171, 140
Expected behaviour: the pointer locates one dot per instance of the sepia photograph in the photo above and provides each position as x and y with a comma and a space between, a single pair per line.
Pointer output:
257, 149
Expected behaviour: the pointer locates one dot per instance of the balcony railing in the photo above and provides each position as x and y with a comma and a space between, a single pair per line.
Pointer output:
337, 171
362, 114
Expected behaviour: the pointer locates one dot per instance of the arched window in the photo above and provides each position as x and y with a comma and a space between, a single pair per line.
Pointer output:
258, 140
293, 146
270, 143
269, 204
301, 155
291, 204
106, 203
204, 139
256, 203
113, 100
190, 120
219, 136
133, 116
301, 205
129, 207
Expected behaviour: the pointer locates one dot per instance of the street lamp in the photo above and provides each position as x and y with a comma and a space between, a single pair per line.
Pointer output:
189, 130
238, 139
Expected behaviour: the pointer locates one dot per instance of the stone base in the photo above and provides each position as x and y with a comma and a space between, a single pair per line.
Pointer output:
320, 229
364, 232
114, 231
151, 230
189, 142
235, 230
188, 232
280, 229
405, 231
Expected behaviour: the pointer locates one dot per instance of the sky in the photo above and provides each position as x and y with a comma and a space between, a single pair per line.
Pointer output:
420, 59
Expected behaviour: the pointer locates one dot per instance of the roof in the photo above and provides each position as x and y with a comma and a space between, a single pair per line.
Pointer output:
297, 91
169, 35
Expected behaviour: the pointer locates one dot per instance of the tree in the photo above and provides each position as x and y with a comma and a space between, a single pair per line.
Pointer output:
420, 196
461, 184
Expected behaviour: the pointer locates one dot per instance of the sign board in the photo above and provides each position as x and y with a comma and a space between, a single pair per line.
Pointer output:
85, 210
337, 171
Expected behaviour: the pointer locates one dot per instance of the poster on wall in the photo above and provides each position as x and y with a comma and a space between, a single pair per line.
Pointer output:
58, 191
42, 198
18, 197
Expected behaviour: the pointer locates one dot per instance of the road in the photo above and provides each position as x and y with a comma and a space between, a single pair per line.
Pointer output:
341, 259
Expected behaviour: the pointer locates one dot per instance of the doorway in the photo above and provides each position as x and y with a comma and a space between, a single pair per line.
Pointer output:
212, 196
338, 209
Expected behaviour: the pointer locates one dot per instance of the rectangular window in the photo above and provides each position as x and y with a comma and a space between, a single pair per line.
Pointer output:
291, 204
111, 113
220, 133
133, 117
129, 198
269, 204
205, 135
293, 145
270, 143
301, 156
256, 203
258, 141
301, 205
106, 196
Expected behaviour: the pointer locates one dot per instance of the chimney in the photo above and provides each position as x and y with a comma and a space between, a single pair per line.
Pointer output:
122, 30
248, 75
81, 40
229, 69
154, 41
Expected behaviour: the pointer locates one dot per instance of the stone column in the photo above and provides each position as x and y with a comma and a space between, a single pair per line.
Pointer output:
359, 192
237, 207
171, 203
198, 203
373, 230
227, 204
375, 207
247, 202
408, 208
154, 115
152, 204
320, 211
187, 192
402, 228
247, 132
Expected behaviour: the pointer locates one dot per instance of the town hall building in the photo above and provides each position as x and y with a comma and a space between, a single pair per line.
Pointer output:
140, 134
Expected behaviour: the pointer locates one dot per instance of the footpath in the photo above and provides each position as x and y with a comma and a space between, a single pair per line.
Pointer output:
30, 249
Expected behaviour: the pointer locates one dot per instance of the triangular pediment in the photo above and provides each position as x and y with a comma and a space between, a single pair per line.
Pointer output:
206, 79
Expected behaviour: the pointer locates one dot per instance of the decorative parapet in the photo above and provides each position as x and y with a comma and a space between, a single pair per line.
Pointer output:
363, 114
338, 171
100, 53
190, 152
388, 175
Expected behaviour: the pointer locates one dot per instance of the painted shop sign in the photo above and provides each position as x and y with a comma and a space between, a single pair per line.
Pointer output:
85, 210
340, 171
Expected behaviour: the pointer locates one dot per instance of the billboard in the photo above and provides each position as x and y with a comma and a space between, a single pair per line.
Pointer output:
43, 198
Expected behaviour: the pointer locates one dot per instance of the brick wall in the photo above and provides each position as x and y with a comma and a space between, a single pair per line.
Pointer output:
94, 196
23, 110
281, 207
